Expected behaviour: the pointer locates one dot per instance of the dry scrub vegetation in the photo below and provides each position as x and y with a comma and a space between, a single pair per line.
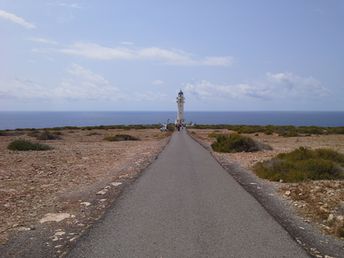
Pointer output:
320, 202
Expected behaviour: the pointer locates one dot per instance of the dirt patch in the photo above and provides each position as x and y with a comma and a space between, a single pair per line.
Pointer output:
320, 203
81, 173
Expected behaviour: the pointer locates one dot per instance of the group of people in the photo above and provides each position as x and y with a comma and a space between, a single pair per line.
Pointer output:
179, 126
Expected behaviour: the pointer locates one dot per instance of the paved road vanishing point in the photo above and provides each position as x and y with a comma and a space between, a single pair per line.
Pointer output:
186, 205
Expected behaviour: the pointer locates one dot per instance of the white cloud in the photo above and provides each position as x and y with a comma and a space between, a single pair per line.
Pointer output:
16, 19
294, 85
85, 84
206, 89
158, 82
22, 89
94, 51
167, 56
64, 4
43, 40
81, 84
274, 86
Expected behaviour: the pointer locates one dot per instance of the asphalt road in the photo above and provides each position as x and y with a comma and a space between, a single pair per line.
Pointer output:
186, 205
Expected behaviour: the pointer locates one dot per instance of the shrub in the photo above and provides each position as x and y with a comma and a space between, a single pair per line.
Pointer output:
236, 143
121, 137
303, 164
46, 135
283, 130
10, 133
25, 145
171, 127
34, 133
213, 134
58, 133
93, 133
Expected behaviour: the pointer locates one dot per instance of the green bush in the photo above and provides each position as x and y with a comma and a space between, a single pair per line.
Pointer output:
10, 133
282, 130
213, 134
303, 164
34, 133
236, 143
121, 137
46, 135
25, 145
171, 127
93, 133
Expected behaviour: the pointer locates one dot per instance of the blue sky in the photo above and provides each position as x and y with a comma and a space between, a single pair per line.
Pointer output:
136, 55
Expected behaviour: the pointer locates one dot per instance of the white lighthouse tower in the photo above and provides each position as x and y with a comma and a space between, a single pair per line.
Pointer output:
180, 102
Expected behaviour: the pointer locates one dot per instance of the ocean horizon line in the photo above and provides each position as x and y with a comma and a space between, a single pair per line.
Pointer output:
186, 111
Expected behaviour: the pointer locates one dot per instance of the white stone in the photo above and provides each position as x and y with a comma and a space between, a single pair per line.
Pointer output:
102, 192
85, 203
23, 229
59, 233
287, 193
54, 217
340, 218
116, 183
330, 217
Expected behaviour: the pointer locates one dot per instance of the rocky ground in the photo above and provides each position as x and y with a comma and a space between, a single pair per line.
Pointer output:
319, 202
66, 186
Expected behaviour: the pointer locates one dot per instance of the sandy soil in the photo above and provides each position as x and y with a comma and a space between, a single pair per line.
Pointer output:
319, 202
67, 178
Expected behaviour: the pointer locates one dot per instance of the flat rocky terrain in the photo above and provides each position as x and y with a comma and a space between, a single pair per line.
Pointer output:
320, 203
70, 185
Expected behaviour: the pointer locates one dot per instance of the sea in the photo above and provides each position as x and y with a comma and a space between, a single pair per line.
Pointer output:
14, 119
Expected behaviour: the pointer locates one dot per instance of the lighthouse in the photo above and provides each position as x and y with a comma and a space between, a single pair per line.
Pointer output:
180, 102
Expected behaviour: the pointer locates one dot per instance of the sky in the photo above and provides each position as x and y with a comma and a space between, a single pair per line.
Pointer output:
118, 55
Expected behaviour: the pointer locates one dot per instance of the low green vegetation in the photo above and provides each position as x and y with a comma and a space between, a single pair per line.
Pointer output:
93, 133
25, 145
10, 133
100, 127
121, 137
45, 135
286, 131
171, 127
236, 143
303, 164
